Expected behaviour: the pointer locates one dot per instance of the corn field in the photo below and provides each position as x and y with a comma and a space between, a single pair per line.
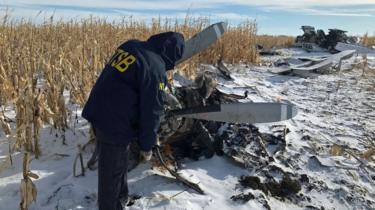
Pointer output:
42, 63
269, 41
367, 40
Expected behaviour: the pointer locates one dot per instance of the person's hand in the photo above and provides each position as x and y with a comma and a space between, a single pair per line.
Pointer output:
146, 156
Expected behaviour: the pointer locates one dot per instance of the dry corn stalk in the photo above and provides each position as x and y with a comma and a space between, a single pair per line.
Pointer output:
5, 126
37, 122
268, 41
24, 116
8, 134
367, 40
28, 189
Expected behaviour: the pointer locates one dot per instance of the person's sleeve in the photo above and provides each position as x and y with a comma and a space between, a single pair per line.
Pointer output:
151, 107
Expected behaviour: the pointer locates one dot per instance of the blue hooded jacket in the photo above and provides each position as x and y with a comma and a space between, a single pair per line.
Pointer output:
126, 101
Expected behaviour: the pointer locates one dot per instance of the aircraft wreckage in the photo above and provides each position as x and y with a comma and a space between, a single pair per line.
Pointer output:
324, 52
195, 113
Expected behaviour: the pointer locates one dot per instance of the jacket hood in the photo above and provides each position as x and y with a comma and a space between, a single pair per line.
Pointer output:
169, 45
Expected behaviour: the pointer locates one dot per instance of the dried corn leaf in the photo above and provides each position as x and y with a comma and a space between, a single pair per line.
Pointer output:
6, 127
336, 150
32, 175
368, 154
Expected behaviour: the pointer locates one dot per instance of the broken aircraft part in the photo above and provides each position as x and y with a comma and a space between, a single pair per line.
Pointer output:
318, 41
359, 49
203, 40
328, 62
242, 112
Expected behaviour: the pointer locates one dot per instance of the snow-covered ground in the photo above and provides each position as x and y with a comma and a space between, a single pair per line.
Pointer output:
334, 108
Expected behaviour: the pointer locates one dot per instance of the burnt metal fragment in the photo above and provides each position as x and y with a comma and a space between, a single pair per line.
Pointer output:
243, 197
283, 189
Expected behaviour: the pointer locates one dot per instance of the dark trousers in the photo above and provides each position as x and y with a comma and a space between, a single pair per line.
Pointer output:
112, 174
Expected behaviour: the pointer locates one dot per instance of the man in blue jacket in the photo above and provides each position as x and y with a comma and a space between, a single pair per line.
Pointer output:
125, 105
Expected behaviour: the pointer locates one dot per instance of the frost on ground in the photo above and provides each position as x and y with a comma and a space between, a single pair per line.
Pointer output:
336, 117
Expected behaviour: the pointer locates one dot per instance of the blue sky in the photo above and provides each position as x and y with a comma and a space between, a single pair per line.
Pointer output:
273, 17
